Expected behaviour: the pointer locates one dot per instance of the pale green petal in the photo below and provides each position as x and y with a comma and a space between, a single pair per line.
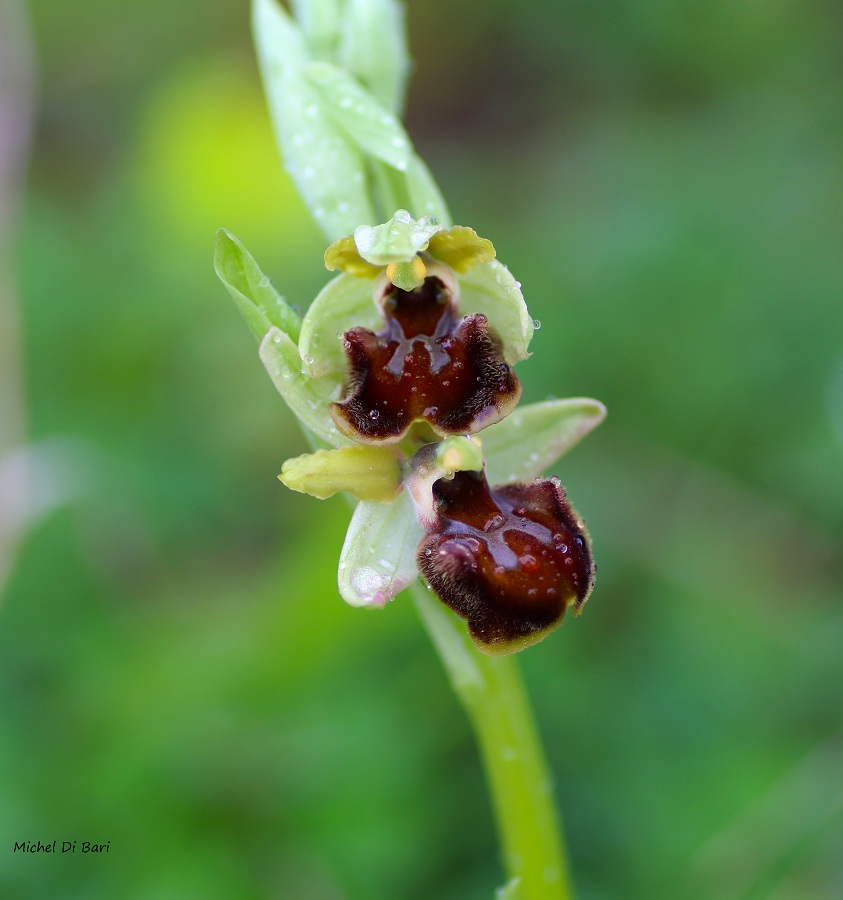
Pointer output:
369, 124
261, 305
373, 48
345, 302
344, 255
378, 558
281, 358
489, 288
461, 248
320, 21
367, 473
532, 439
325, 164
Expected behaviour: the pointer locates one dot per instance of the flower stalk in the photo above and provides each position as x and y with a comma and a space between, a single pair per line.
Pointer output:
492, 693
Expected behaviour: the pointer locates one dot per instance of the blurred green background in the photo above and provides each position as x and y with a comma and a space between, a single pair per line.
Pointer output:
177, 672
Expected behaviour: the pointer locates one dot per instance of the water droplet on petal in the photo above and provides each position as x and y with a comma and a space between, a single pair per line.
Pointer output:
528, 562
537, 324
374, 415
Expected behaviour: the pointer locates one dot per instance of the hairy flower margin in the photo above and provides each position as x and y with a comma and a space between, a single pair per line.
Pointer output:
401, 374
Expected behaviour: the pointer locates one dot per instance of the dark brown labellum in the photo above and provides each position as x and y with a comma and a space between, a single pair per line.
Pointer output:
509, 560
427, 364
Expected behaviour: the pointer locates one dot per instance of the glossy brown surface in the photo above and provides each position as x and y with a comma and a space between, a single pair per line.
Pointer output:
427, 364
510, 560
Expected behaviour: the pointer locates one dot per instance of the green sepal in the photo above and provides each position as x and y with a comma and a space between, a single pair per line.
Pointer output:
489, 288
534, 437
378, 558
373, 48
345, 302
281, 358
260, 304
367, 473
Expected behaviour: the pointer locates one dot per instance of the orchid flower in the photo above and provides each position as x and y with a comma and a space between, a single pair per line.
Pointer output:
402, 374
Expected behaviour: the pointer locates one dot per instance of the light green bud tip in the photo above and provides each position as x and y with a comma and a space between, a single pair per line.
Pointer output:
368, 473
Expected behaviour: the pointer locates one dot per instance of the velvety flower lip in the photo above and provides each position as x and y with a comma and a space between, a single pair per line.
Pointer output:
427, 364
510, 560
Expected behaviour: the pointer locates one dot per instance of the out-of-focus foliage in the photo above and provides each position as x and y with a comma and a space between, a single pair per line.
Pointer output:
177, 672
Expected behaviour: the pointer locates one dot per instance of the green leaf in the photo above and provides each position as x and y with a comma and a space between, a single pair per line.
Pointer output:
370, 124
489, 288
367, 473
534, 437
325, 164
281, 358
373, 48
261, 305
378, 558
345, 302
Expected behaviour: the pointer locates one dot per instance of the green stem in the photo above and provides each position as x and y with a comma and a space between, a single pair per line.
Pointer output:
491, 690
